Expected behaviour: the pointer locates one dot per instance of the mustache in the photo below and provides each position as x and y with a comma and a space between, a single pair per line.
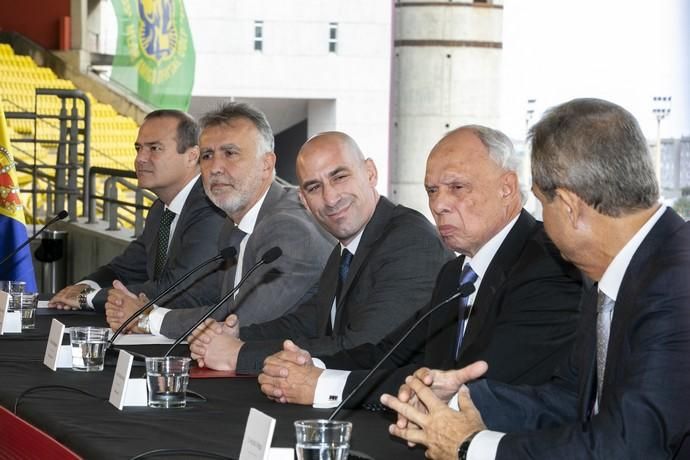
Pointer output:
222, 181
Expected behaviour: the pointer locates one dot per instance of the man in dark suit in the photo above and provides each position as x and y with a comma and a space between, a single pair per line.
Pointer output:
623, 394
392, 254
238, 169
522, 318
167, 164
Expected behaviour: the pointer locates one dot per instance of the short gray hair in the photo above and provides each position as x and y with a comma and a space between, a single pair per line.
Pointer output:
595, 149
499, 146
231, 110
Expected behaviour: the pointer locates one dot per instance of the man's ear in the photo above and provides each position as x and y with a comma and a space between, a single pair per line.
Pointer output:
571, 205
509, 184
269, 162
193, 154
372, 173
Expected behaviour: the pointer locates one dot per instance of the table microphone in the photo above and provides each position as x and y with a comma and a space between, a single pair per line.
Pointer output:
269, 256
462, 291
225, 254
61, 215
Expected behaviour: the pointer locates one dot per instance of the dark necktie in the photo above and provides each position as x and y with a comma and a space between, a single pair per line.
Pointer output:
467, 276
604, 315
345, 260
163, 238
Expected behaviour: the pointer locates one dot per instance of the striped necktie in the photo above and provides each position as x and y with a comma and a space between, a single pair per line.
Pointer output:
467, 276
163, 239
604, 317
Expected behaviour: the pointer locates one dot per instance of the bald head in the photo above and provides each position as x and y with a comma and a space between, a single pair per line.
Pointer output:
337, 183
329, 140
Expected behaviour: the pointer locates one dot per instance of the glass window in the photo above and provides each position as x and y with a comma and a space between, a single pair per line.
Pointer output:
258, 35
332, 37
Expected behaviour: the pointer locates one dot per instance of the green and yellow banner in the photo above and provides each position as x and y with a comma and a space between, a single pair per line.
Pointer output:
155, 55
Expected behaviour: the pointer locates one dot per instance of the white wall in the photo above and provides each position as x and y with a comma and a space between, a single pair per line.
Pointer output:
347, 91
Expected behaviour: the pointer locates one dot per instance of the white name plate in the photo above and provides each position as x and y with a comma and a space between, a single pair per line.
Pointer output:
258, 434
10, 321
126, 391
57, 355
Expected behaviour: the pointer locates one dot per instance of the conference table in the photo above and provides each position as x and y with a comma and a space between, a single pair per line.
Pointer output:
72, 408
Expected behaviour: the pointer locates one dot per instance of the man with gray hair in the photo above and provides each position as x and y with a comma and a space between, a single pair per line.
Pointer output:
238, 169
521, 317
623, 393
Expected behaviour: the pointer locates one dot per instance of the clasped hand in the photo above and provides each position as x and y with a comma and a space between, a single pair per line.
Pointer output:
121, 305
216, 345
290, 376
423, 413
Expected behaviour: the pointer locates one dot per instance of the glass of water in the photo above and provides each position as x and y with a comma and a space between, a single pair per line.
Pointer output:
88, 348
13, 288
166, 379
322, 439
27, 304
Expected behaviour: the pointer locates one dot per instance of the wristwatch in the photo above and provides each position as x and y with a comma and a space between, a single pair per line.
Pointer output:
465, 446
83, 304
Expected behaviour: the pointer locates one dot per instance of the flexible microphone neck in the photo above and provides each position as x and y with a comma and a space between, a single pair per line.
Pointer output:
61, 215
225, 254
268, 257
463, 291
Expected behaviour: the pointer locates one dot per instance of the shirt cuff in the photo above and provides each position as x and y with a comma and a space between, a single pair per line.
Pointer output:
329, 388
453, 403
318, 363
90, 296
89, 283
156, 319
484, 445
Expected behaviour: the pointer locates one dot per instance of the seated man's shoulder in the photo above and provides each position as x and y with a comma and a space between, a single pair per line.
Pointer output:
541, 255
410, 225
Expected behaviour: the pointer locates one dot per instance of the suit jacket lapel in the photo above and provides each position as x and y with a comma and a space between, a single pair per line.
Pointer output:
156, 212
187, 208
586, 353
327, 287
495, 277
373, 231
446, 319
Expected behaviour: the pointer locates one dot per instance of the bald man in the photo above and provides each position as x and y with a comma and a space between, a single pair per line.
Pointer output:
380, 273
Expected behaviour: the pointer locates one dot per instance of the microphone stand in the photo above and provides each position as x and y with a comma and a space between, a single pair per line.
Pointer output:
225, 254
463, 291
268, 257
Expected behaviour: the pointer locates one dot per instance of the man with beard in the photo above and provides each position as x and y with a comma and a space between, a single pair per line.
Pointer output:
237, 166
181, 227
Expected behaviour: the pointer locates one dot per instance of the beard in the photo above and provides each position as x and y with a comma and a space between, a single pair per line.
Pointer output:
235, 194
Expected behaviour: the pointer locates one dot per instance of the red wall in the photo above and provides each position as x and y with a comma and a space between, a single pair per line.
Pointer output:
39, 20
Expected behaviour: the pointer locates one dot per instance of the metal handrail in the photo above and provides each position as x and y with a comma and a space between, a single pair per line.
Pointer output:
111, 203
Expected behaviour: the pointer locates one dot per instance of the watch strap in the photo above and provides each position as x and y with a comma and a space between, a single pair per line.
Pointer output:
465, 446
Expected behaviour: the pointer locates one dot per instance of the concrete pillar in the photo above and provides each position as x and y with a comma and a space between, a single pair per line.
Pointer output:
447, 64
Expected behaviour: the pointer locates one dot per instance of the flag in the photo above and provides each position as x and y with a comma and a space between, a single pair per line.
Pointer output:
155, 56
12, 227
